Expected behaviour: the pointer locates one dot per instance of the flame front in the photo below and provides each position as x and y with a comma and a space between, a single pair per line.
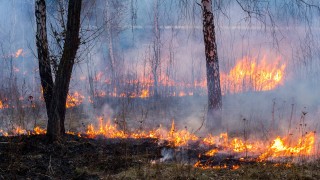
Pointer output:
250, 75
280, 147
109, 130
3, 105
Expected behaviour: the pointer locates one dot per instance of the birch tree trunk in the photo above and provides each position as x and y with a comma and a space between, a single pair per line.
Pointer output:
156, 49
212, 65
109, 30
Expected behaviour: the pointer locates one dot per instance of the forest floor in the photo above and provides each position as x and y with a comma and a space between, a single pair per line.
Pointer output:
32, 157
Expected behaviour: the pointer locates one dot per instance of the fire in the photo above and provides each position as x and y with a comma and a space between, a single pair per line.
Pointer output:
249, 74
110, 130
18, 53
107, 130
37, 130
212, 152
74, 99
280, 147
181, 93
3, 133
18, 130
222, 166
239, 146
144, 93
1, 105
181, 138
222, 140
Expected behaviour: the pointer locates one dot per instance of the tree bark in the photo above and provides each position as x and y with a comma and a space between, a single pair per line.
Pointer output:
212, 66
70, 48
55, 93
108, 19
43, 52
156, 49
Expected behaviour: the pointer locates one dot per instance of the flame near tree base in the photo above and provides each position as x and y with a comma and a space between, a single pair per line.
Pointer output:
289, 147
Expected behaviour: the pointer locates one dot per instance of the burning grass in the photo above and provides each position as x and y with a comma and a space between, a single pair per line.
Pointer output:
214, 151
77, 157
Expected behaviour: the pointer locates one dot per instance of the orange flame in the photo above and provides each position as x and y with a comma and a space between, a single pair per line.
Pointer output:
74, 99
248, 75
37, 130
281, 147
108, 130
1, 105
18, 53
278, 148
144, 93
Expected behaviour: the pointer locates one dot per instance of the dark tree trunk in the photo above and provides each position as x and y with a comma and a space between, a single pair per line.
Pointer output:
71, 46
55, 94
212, 65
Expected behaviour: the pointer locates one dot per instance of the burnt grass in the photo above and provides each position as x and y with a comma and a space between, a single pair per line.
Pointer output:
33, 157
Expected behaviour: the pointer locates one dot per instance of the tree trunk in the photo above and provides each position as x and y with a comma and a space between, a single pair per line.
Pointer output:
71, 46
156, 49
212, 65
55, 94
108, 20
43, 57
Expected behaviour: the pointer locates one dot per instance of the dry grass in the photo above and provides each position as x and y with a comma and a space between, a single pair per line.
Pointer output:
256, 171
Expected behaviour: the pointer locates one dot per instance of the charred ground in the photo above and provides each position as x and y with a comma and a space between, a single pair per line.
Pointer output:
73, 157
